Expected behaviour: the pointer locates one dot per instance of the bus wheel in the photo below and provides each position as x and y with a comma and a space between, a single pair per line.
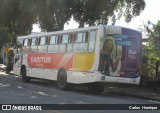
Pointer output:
62, 79
96, 87
24, 77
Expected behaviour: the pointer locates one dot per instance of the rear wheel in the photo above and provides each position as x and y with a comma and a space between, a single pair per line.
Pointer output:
24, 73
96, 87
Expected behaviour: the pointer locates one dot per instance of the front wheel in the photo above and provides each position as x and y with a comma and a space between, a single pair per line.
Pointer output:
24, 77
96, 87
62, 80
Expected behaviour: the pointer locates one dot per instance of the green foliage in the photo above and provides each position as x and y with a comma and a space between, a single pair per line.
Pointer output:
3, 36
151, 51
53, 14
95, 12
18, 16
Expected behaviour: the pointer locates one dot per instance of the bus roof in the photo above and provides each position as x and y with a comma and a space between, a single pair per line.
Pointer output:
58, 32
68, 31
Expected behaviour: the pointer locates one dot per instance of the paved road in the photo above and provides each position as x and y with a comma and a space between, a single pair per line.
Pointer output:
14, 91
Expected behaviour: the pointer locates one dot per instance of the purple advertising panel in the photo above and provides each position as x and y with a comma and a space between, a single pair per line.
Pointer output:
120, 54
131, 55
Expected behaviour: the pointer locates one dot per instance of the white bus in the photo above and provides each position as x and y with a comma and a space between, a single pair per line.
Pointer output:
91, 55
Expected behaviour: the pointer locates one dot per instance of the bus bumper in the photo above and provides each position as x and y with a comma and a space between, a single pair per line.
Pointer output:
116, 79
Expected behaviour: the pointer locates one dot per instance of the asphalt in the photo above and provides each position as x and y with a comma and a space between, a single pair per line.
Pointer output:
131, 91
134, 91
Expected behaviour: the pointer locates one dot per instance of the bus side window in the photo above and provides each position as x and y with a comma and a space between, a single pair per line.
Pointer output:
81, 41
29, 42
92, 40
19, 46
64, 42
70, 43
53, 45
34, 43
42, 46
25, 41
26, 45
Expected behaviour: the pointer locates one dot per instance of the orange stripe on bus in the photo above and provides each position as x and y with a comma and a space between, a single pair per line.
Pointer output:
50, 60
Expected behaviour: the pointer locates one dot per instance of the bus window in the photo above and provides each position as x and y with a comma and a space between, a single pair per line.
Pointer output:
64, 42
26, 45
53, 44
53, 40
42, 44
70, 41
19, 46
81, 41
79, 37
65, 39
92, 39
25, 42
42, 40
34, 42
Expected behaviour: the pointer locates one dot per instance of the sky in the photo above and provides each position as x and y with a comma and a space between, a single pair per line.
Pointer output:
151, 12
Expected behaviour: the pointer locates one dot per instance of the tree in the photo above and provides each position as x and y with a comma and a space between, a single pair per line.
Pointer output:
17, 17
3, 36
153, 32
151, 51
53, 14
94, 12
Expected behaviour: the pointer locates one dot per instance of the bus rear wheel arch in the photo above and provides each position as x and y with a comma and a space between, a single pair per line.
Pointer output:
24, 74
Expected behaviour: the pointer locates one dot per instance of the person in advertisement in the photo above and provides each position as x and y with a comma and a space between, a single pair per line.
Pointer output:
107, 58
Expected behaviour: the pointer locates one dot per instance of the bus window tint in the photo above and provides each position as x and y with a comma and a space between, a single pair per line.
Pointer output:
34, 42
42, 44
42, 41
26, 46
64, 42
53, 40
53, 44
79, 37
65, 39
80, 44
19, 46
92, 39
85, 37
25, 42
34, 45
70, 41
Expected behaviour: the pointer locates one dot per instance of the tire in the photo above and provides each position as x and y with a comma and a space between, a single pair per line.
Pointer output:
62, 79
96, 87
24, 77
